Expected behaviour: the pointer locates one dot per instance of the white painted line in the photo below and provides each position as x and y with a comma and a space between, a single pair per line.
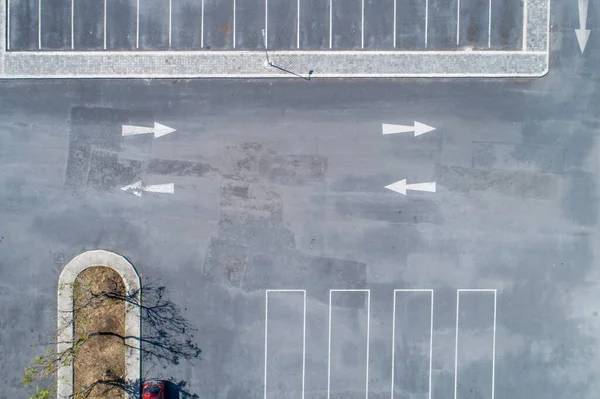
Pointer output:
170, 21
267, 335
488, 290
456, 344
202, 26
330, 23
72, 24
525, 25
39, 24
298, 24
137, 25
494, 346
234, 12
362, 25
458, 24
426, 21
490, 24
104, 34
266, 24
8, 24
368, 339
138, 188
394, 336
395, 12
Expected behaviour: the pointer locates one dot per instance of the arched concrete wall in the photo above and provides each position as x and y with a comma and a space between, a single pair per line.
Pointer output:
132, 314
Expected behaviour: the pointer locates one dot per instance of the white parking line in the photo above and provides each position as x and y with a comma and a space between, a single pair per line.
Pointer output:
495, 292
267, 335
426, 21
104, 33
362, 25
490, 24
137, 25
395, 12
39, 24
330, 23
266, 24
8, 24
458, 23
394, 336
368, 340
234, 23
72, 24
524, 45
170, 21
298, 25
202, 25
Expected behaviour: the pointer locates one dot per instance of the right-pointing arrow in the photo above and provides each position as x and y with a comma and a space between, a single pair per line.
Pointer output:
418, 128
401, 187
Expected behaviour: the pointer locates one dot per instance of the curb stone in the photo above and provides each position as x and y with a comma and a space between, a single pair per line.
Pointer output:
132, 316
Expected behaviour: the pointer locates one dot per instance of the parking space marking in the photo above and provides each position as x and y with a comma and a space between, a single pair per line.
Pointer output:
267, 334
104, 27
394, 335
39, 24
368, 292
488, 290
201, 25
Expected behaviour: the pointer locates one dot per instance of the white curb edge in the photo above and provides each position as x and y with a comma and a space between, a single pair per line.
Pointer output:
132, 315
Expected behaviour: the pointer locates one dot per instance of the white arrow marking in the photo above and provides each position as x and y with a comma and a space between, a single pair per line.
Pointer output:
138, 188
419, 128
158, 130
582, 33
401, 187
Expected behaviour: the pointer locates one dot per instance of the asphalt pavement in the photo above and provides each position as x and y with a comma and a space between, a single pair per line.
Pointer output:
486, 288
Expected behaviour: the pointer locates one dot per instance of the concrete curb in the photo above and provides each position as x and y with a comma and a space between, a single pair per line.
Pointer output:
132, 316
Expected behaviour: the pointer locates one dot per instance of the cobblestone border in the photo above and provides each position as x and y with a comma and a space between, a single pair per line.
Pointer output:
132, 315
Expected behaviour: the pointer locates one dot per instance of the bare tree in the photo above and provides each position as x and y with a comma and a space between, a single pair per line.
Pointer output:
167, 336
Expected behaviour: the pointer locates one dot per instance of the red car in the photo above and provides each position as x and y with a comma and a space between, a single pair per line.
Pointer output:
154, 389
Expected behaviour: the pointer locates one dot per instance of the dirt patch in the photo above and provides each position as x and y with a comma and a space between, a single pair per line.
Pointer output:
102, 356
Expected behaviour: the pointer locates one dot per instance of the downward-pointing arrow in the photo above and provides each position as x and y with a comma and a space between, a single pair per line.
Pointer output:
158, 130
418, 128
401, 187
582, 33
138, 188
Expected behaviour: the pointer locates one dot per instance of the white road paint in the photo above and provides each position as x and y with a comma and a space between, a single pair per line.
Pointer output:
394, 336
330, 23
138, 188
202, 25
489, 290
39, 24
8, 24
234, 17
298, 24
362, 24
525, 26
266, 30
582, 33
170, 21
490, 24
426, 21
137, 25
395, 22
267, 335
158, 130
458, 24
401, 187
418, 128
368, 292
73, 24
104, 25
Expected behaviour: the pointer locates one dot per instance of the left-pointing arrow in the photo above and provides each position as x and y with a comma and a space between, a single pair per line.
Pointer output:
138, 188
158, 130
401, 187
